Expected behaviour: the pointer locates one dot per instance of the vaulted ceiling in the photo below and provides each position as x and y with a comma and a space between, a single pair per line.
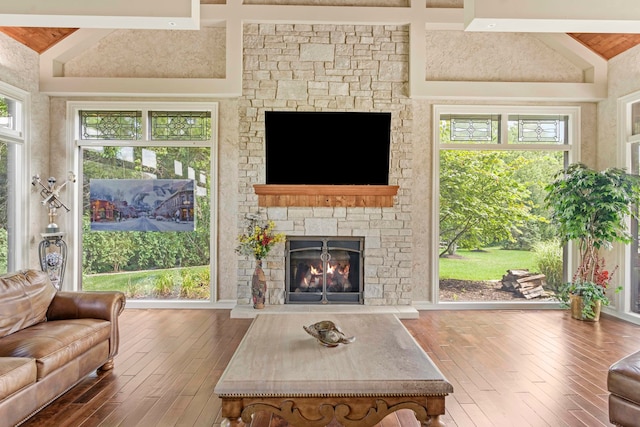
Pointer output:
606, 30
183, 13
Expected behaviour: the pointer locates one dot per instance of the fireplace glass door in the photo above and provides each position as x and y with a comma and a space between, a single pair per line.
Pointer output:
322, 270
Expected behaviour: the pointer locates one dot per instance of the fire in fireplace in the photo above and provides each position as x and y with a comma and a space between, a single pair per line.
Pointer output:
322, 270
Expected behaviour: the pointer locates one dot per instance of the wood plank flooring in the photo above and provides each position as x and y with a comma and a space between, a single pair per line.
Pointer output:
508, 368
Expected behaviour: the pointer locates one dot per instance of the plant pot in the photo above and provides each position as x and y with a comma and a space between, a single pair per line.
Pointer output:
577, 304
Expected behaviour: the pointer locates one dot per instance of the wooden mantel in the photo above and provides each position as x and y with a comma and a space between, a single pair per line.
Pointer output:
326, 195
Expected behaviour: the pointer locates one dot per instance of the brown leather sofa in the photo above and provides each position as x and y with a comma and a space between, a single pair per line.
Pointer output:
623, 383
50, 340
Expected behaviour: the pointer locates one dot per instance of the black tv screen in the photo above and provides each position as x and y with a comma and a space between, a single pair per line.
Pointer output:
327, 148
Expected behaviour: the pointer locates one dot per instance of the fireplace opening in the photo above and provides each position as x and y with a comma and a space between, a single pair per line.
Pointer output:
323, 270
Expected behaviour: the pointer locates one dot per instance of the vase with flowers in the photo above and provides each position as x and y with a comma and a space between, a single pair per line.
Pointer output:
590, 207
257, 241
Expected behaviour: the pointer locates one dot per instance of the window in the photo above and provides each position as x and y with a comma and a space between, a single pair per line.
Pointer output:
495, 241
12, 228
147, 200
634, 256
629, 119
5, 206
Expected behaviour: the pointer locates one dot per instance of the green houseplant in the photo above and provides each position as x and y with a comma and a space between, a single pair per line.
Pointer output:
590, 207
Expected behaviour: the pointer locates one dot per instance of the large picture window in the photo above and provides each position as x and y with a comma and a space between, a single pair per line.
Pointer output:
151, 241
495, 242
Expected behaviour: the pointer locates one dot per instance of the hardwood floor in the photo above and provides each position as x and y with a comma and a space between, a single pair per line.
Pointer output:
508, 368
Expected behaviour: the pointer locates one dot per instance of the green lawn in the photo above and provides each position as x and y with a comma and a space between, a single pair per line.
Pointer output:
488, 264
187, 282
118, 281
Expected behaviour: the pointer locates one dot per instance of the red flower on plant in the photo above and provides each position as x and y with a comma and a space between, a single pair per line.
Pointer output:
602, 278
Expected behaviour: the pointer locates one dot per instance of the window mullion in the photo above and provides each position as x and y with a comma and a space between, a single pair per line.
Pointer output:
503, 136
146, 128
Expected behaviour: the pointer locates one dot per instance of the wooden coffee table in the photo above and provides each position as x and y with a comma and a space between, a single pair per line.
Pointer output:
280, 368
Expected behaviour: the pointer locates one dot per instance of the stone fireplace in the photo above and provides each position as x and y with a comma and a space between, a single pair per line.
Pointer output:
324, 270
341, 68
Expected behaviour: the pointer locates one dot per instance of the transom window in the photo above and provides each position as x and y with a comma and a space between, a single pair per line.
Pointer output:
129, 125
522, 129
107, 125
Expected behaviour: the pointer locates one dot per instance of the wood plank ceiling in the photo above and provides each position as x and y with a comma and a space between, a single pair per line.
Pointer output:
606, 45
38, 39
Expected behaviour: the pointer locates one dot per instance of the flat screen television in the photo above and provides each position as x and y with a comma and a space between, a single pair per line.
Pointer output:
327, 148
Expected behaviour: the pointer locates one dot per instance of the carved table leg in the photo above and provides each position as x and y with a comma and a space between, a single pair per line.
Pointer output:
231, 412
435, 408
433, 421
231, 422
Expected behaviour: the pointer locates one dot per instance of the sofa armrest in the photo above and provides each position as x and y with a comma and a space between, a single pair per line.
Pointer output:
106, 305
80, 305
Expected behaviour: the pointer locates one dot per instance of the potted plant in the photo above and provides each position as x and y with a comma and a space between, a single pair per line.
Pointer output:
590, 207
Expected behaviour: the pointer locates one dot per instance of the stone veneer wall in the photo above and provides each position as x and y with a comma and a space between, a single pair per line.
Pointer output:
324, 67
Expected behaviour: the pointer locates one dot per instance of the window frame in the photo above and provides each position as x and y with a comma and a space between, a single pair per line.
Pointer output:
16, 134
572, 148
18, 151
626, 140
75, 146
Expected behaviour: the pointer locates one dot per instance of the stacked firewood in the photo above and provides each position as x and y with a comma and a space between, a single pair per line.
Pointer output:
524, 283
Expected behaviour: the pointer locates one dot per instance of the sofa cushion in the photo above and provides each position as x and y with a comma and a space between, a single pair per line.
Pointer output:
15, 374
24, 299
56, 342
623, 378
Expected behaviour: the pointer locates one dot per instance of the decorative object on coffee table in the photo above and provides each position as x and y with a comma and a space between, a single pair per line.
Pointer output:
257, 241
328, 333
52, 250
